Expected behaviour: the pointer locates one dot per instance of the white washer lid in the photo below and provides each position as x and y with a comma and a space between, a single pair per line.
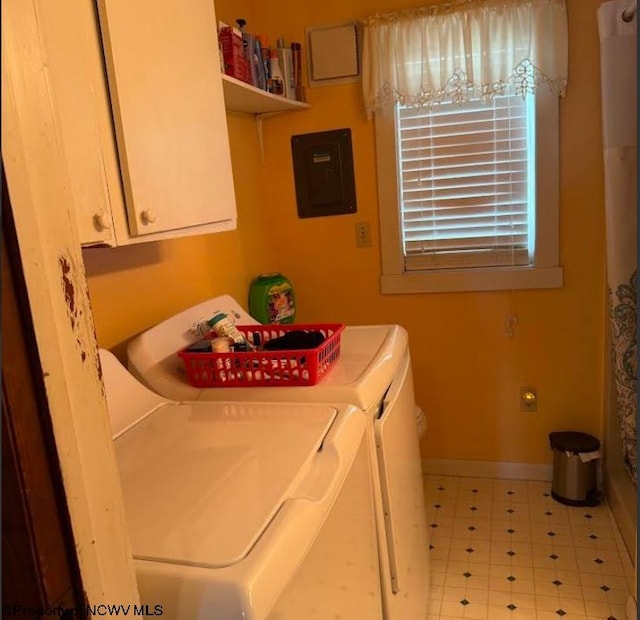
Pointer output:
369, 358
202, 482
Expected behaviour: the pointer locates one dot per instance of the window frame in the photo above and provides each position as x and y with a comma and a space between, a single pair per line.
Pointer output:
545, 272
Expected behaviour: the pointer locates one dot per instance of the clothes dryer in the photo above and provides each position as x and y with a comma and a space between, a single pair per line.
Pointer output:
372, 373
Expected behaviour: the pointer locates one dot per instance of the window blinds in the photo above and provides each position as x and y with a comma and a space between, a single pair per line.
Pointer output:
467, 180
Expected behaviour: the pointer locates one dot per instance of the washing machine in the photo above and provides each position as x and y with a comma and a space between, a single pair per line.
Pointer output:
245, 511
374, 374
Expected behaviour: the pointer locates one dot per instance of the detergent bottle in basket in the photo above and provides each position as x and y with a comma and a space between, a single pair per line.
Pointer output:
271, 299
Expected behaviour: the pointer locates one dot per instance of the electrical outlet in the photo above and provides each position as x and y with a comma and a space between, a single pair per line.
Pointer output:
363, 234
528, 399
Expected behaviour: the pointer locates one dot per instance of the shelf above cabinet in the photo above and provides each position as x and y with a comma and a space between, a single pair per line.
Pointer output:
242, 97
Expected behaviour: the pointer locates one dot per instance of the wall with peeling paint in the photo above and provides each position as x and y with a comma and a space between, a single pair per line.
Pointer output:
37, 174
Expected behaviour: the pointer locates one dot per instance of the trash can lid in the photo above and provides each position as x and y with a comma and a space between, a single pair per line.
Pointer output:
573, 441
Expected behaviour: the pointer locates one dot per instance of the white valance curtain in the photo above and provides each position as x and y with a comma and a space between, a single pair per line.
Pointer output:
463, 50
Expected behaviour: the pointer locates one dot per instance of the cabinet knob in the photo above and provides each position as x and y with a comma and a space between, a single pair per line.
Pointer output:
102, 221
148, 216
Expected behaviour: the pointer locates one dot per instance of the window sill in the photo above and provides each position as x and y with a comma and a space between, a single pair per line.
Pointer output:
459, 280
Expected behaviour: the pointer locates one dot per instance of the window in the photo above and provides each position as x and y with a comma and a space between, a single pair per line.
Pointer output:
474, 201
465, 101
466, 183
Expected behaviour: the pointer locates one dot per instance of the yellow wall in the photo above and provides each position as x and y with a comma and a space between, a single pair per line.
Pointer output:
467, 370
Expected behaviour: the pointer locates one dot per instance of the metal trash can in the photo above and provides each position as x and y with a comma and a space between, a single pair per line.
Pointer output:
575, 457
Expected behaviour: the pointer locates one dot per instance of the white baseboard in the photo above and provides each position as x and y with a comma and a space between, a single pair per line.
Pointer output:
487, 469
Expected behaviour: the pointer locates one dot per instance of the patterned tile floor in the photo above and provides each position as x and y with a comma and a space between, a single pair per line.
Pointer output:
507, 549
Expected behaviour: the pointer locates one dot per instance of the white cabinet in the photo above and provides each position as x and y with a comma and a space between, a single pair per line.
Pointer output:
79, 95
166, 93
170, 174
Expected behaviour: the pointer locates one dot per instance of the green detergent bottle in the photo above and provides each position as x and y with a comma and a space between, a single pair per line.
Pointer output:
271, 299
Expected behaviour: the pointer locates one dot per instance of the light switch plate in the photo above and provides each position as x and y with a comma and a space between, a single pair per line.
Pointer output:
363, 234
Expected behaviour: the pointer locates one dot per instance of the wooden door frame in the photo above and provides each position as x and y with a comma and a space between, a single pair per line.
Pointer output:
38, 184
39, 565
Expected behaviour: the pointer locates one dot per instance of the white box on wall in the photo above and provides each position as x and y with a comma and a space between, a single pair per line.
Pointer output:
333, 54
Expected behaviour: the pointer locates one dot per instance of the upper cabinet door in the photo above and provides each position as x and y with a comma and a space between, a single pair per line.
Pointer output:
79, 93
166, 94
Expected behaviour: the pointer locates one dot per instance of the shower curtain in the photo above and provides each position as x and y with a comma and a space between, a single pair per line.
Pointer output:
617, 22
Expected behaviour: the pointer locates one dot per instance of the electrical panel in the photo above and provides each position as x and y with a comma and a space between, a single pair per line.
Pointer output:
323, 171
